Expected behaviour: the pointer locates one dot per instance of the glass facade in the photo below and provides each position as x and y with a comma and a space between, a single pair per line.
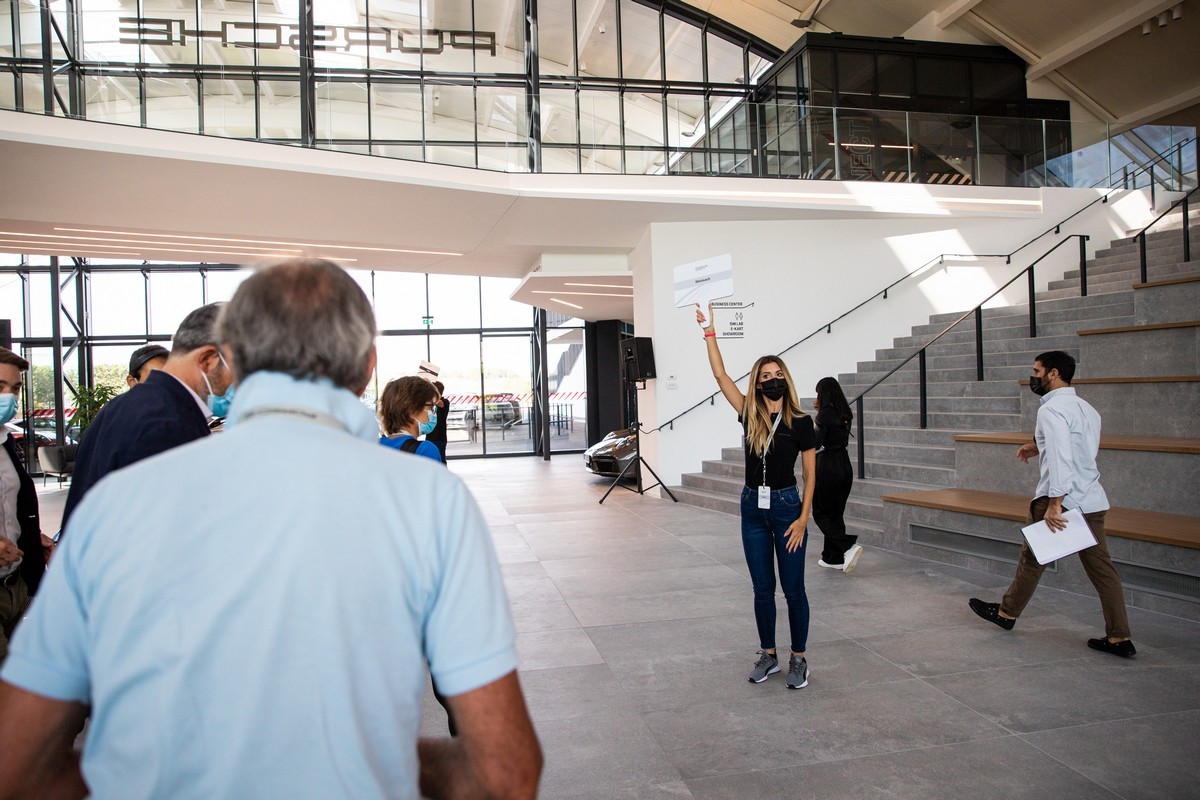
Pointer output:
601, 86
563, 86
484, 342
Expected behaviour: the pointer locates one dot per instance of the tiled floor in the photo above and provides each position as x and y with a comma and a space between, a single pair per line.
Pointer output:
636, 634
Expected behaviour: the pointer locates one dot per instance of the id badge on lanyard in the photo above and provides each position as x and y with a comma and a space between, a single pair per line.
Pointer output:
764, 491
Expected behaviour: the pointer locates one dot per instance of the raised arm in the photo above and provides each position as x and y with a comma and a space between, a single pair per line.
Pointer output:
496, 752
728, 387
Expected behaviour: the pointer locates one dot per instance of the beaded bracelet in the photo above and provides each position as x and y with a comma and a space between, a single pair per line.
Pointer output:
710, 334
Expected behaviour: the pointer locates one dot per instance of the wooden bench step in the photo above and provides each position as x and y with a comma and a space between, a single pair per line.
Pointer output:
1147, 526
1168, 282
1150, 379
1161, 326
1150, 444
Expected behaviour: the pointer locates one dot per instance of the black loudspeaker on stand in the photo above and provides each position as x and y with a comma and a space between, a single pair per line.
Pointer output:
638, 354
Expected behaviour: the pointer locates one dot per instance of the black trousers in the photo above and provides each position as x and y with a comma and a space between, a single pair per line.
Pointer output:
835, 476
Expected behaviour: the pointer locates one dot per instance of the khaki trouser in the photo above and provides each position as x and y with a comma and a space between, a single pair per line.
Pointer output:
1096, 563
14, 597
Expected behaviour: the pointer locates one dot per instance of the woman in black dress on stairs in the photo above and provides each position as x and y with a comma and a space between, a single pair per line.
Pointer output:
835, 476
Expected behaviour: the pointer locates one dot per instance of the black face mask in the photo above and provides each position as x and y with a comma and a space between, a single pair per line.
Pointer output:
1036, 386
774, 389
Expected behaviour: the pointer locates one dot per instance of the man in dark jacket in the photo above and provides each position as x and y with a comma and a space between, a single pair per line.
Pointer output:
22, 560
171, 407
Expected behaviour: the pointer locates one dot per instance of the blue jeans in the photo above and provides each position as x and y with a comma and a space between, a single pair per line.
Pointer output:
763, 540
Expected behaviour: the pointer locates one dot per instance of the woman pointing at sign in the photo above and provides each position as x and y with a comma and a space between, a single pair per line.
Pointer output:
774, 517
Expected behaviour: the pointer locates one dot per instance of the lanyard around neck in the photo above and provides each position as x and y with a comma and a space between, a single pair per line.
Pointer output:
767, 446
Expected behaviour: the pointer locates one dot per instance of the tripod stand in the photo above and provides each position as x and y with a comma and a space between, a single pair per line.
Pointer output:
631, 403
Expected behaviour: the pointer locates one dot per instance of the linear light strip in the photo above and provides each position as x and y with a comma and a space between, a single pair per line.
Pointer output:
265, 241
55, 247
177, 248
294, 251
98, 248
585, 294
600, 285
565, 303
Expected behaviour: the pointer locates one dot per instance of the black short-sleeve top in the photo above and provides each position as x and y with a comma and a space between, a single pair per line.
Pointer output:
833, 432
786, 447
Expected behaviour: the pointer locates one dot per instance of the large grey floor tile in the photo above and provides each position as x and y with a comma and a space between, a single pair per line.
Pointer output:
643, 582
573, 692
812, 725
601, 755
1147, 758
992, 769
681, 604
556, 648
974, 646
1093, 688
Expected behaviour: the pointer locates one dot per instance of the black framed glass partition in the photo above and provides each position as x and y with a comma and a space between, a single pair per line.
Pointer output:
483, 341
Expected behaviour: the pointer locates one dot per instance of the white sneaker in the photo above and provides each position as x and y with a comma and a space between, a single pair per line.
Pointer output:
852, 557
821, 563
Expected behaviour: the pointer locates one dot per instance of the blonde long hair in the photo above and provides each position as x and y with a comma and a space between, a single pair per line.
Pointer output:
754, 409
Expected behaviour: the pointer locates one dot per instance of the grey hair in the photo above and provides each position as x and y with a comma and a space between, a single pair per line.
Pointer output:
303, 317
197, 329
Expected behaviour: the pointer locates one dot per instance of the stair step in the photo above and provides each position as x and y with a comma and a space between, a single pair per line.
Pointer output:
710, 482
704, 499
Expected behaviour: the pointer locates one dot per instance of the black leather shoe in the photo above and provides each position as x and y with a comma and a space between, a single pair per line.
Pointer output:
1123, 649
991, 612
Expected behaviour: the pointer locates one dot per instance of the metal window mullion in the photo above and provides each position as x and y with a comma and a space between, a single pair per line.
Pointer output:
60, 427
46, 18
308, 101
620, 86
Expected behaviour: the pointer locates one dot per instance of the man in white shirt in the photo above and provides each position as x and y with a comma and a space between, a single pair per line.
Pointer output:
22, 560
1066, 439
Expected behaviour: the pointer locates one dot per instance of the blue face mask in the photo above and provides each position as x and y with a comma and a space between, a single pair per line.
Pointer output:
426, 428
8, 407
219, 404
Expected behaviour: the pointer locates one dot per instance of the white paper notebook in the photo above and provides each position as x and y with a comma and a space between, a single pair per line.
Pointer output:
1048, 545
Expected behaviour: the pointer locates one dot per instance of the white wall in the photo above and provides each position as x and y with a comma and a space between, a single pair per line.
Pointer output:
802, 274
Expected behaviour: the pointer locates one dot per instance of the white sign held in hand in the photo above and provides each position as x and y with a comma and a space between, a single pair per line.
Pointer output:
701, 282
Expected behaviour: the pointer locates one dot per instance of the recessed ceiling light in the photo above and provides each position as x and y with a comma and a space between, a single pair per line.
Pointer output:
565, 303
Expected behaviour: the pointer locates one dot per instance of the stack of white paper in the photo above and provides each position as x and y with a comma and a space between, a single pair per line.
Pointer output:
1048, 545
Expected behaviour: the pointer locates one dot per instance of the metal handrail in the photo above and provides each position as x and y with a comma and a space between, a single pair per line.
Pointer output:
1187, 235
1176, 149
937, 260
977, 312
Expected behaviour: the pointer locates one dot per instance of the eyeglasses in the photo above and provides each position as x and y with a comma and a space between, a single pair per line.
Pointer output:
431, 405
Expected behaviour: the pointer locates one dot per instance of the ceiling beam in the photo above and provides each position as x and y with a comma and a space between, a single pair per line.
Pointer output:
1152, 112
1083, 98
1105, 31
971, 20
947, 16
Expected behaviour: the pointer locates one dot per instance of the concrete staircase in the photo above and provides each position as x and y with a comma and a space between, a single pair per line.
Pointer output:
1144, 382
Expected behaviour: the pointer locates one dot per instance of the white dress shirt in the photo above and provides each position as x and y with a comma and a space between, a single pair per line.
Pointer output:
10, 484
1068, 439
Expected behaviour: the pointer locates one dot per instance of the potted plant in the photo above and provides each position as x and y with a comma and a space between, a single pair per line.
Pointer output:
88, 403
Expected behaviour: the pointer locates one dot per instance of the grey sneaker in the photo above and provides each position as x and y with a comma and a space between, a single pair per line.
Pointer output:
797, 677
767, 664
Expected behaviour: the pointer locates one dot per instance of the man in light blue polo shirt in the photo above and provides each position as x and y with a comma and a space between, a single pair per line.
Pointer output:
260, 627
